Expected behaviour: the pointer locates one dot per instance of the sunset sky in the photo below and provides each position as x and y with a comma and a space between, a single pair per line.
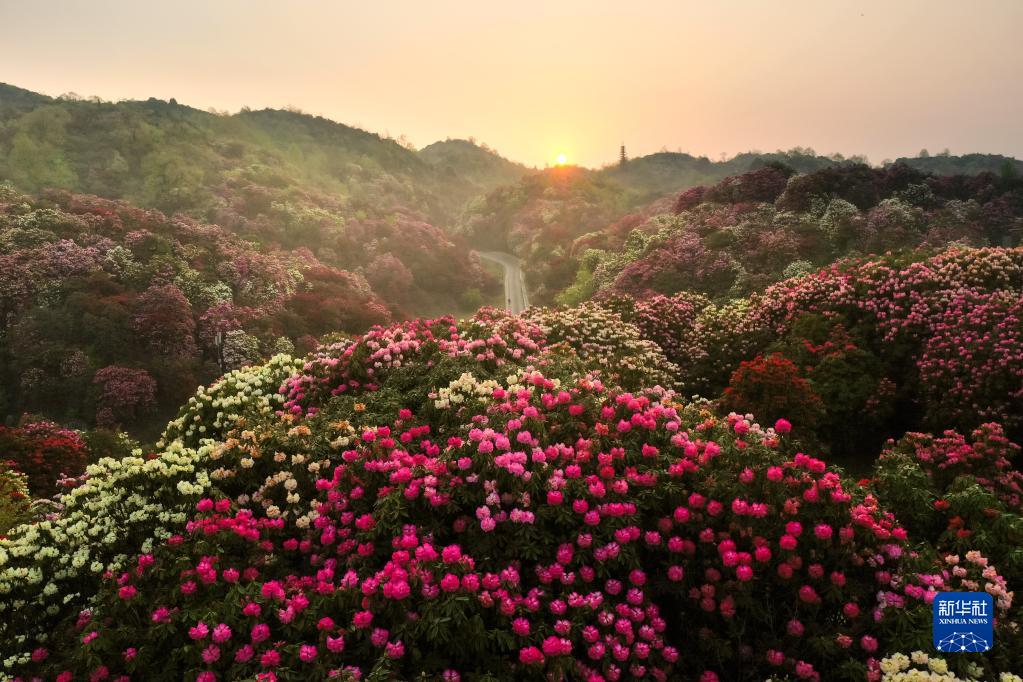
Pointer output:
535, 79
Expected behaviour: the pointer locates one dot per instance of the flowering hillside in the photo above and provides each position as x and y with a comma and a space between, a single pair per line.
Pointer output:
112, 314
507, 498
768, 224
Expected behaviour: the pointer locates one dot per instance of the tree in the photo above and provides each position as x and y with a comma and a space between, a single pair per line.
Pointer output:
163, 320
125, 394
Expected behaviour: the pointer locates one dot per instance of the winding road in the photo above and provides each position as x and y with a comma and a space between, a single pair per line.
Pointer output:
515, 296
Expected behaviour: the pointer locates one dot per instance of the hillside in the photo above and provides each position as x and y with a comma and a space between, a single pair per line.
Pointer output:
173, 157
113, 314
967, 164
657, 174
281, 179
470, 170
749, 230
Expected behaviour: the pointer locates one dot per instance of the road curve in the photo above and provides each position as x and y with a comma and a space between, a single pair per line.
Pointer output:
515, 297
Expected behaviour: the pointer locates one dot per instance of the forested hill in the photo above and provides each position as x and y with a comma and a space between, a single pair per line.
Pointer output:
175, 158
471, 169
657, 174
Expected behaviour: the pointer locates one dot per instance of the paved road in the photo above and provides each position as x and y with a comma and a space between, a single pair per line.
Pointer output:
515, 297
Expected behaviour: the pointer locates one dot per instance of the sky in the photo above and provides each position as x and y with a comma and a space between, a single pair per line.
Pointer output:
534, 79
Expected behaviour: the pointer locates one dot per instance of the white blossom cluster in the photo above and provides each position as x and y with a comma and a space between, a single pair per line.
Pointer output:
212, 411
919, 666
123, 506
603, 341
465, 386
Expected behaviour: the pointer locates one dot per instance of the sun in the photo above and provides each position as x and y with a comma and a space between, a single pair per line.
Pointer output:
561, 159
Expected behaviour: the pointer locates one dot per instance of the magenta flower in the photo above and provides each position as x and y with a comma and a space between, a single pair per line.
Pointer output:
362, 619
808, 594
271, 658
198, 631
260, 632
451, 554
211, 654
531, 656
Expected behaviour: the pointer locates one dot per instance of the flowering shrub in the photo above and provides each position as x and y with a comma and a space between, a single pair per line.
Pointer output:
763, 184
669, 322
43, 451
971, 366
772, 387
15, 503
681, 263
922, 667
213, 411
857, 400
125, 394
123, 506
959, 493
549, 529
605, 342
491, 339
163, 321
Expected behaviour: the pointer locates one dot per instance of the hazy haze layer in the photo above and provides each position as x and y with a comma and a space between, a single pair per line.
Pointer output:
533, 79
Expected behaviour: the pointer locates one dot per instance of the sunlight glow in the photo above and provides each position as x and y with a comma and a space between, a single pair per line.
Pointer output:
561, 159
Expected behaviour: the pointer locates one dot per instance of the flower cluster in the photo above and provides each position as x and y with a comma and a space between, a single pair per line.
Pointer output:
605, 342
213, 411
491, 338
963, 496
43, 451
462, 388
919, 666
